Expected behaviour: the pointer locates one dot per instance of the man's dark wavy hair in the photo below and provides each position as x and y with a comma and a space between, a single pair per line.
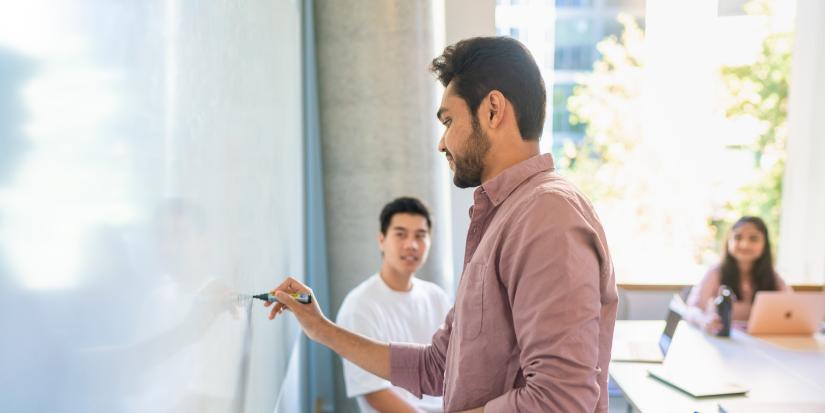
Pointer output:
480, 65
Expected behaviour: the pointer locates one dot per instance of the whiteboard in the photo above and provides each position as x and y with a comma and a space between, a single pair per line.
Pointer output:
151, 173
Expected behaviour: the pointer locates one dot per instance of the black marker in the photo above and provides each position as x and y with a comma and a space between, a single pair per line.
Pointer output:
301, 298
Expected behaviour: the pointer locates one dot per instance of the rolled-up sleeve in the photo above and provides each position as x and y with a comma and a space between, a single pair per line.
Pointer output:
419, 368
552, 278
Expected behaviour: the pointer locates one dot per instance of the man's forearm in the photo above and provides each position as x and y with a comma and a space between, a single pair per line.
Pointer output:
371, 355
388, 401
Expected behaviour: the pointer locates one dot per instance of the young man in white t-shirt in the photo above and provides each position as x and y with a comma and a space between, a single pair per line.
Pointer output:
394, 305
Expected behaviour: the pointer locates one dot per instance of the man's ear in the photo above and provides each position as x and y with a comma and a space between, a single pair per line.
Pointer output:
381, 242
497, 105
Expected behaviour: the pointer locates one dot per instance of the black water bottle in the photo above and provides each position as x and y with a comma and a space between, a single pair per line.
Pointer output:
724, 307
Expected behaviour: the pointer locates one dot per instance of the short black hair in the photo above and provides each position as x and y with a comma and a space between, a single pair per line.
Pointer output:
404, 205
480, 65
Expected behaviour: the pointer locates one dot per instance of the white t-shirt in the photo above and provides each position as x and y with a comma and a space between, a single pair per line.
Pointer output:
376, 311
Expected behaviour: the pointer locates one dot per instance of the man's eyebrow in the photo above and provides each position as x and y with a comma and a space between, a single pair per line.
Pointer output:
440, 112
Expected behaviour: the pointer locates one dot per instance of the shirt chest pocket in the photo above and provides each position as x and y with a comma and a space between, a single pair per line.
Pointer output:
471, 300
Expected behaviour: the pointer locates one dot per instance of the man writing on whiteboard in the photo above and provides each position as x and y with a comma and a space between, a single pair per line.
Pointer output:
533, 321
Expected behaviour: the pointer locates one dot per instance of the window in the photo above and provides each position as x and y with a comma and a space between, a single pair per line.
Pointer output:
673, 133
562, 127
573, 3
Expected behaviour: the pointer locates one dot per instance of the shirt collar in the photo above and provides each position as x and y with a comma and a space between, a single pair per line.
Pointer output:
500, 187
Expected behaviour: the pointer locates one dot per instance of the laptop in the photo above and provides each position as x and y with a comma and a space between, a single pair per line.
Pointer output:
746, 406
778, 312
697, 385
651, 351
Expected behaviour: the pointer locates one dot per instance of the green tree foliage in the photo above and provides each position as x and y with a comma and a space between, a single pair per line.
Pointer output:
608, 102
760, 91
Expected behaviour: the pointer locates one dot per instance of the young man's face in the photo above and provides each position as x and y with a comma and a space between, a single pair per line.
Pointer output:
463, 142
406, 244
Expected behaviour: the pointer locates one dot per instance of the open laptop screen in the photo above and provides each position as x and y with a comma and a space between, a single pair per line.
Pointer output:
779, 312
675, 309
672, 320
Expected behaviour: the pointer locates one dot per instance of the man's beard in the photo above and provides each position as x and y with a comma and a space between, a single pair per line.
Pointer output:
469, 167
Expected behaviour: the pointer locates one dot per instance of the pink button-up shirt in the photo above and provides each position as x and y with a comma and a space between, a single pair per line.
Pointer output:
532, 325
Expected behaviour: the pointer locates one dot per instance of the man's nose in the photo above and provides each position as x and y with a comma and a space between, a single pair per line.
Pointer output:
442, 147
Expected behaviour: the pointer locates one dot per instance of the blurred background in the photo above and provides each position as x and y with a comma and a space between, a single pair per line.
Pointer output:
160, 160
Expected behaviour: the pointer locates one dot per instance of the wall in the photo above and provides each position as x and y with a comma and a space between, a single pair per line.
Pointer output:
801, 248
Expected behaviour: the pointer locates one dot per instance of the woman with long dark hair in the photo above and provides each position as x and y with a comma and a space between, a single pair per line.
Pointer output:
746, 267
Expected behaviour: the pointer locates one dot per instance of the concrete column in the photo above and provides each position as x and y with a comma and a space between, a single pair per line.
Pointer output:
379, 135
802, 247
